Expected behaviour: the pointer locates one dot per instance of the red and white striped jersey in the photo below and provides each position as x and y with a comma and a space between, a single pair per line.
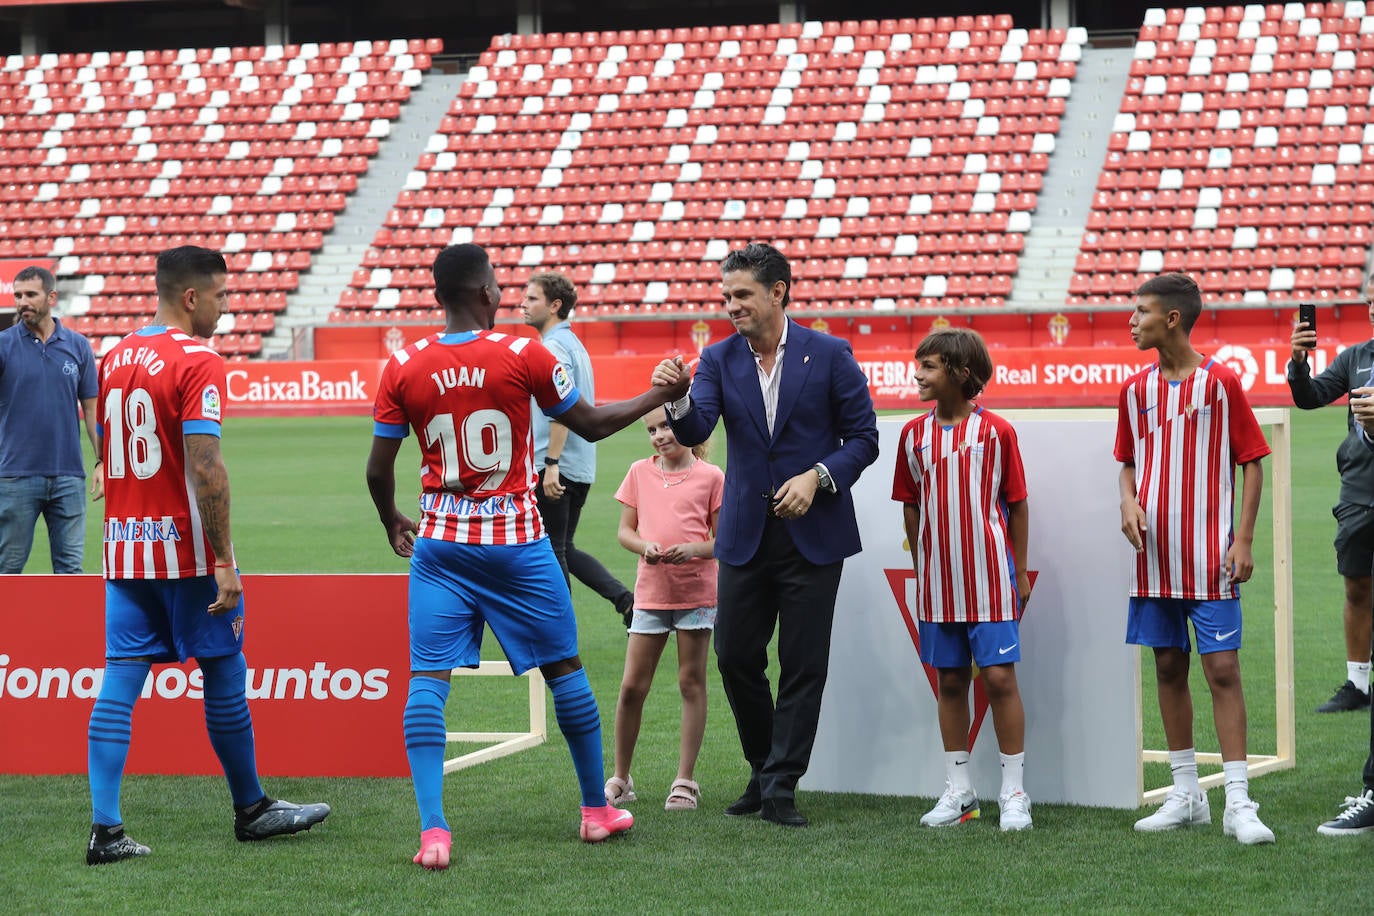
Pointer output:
156, 386
961, 479
467, 396
1184, 440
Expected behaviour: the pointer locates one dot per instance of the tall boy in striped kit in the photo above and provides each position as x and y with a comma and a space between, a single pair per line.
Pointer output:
1183, 425
963, 492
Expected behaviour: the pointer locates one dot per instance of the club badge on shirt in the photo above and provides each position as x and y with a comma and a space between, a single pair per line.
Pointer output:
209, 403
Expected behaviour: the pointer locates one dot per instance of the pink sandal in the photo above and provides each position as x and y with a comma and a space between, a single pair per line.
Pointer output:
620, 791
683, 796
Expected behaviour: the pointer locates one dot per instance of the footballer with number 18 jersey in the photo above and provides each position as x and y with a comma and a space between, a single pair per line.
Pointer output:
156, 385
172, 589
468, 397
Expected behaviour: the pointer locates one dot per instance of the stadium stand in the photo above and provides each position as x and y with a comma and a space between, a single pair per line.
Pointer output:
111, 157
896, 162
1243, 153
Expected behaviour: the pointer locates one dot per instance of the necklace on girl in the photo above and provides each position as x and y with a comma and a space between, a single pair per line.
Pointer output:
664, 474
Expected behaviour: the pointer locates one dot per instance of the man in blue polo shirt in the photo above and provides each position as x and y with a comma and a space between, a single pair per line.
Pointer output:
45, 369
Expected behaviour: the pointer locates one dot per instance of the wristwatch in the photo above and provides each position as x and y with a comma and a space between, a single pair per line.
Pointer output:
827, 482
550, 462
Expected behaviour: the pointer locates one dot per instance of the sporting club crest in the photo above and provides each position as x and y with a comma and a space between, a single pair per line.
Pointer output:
1059, 329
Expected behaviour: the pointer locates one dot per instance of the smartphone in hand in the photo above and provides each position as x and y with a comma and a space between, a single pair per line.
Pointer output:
1307, 314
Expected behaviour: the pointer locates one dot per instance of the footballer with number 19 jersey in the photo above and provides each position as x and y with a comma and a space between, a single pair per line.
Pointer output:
468, 397
1185, 439
156, 386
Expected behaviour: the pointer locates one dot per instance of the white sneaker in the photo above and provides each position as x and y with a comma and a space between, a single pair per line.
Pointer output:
1180, 809
1241, 821
1015, 811
952, 809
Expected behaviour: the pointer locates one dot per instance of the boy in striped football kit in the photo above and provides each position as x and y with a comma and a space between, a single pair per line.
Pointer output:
963, 493
1183, 425
479, 554
172, 591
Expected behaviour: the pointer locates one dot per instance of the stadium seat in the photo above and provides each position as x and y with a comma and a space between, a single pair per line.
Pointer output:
829, 150
155, 149
1254, 150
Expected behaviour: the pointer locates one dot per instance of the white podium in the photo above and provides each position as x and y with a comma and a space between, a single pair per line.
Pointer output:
1080, 682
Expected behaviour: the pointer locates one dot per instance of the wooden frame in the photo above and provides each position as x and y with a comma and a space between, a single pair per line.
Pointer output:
506, 742
1281, 498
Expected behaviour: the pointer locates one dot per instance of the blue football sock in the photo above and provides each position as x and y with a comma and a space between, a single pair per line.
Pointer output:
580, 721
426, 738
230, 725
107, 745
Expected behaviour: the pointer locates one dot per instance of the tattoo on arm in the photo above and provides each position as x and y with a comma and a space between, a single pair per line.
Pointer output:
211, 481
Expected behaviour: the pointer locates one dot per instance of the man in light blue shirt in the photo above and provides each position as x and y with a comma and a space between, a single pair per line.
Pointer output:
567, 460
45, 370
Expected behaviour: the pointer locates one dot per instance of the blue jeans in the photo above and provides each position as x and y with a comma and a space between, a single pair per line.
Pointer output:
62, 503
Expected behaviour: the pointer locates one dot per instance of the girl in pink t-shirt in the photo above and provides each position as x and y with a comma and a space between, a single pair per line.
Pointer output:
671, 502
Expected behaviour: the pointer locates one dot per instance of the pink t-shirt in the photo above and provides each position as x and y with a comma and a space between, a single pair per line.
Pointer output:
676, 514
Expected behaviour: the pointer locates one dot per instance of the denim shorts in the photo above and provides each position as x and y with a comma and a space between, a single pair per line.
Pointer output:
648, 622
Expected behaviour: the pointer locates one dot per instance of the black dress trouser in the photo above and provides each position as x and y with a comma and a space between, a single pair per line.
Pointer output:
778, 587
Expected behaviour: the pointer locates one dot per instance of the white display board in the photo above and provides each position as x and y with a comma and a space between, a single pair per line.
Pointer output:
1080, 682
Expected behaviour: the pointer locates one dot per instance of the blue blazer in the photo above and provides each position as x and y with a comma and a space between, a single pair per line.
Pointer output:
824, 414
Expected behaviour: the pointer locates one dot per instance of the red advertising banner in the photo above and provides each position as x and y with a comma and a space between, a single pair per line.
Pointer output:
328, 667
1080, 376
1023, 377
11, 266
321, 387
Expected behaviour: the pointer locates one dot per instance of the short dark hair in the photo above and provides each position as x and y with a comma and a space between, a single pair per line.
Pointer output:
766, 263
960, 349
1179, 293
459, 270
41, 274
181, 268
557, 287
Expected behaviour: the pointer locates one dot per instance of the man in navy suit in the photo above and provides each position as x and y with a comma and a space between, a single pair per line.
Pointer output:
800, 428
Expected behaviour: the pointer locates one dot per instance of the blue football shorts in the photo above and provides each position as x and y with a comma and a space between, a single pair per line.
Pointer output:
1162, 623
959, 645
166, 620
516, 589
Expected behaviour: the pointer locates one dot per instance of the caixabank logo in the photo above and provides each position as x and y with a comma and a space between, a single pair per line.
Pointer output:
898, 581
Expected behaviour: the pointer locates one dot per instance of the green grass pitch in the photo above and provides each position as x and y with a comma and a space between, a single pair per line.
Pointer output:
300, 505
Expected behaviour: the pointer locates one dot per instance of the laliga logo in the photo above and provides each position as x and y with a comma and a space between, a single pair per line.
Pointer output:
1240, 361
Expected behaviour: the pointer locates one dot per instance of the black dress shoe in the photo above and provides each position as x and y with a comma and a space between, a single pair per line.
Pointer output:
748, 803
782, 811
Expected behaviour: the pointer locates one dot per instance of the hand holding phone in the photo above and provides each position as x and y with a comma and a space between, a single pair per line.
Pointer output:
1307, 315
1304, 332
